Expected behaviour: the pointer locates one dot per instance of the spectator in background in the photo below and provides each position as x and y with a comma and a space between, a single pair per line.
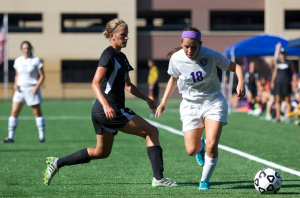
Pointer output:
281, 81
153, 78
28, 79
271, 98
263, 94
251, 89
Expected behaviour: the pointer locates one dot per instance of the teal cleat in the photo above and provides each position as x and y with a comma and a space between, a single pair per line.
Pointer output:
51, 170
204, 185
200, 155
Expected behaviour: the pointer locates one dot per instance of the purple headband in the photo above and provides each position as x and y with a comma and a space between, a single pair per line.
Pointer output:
191, 34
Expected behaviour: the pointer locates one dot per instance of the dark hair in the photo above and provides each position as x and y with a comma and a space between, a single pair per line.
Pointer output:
29, 44
190, 28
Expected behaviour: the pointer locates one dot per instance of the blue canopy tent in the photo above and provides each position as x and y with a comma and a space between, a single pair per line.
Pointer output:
293, 47
258, 45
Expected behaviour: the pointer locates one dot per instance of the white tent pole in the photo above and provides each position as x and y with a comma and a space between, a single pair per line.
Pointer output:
5, 69
230, 82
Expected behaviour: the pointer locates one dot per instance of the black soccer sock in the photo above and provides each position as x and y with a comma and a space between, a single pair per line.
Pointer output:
80, 157
264, 106
251, 105
156, 159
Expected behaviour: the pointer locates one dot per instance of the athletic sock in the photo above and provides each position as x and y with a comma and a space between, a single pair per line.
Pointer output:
209, 167
263, 106
156, 159
251, 105
40, 123
12, 125
80, 157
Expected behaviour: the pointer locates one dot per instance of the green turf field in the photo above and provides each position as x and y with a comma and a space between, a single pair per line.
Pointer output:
127, 172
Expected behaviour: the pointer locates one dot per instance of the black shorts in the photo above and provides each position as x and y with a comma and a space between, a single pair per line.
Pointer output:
155, 91
103, 125
283, 89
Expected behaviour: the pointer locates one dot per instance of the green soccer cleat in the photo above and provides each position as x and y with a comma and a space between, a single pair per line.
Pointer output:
164, 182
200, 155
51, 169
204, 185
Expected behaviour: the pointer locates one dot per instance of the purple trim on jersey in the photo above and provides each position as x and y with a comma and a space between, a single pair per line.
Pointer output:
191, 34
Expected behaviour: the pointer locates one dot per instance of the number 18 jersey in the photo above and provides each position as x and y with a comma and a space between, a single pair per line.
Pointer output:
198, 79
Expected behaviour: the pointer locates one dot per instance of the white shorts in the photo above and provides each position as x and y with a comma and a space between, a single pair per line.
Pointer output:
24, 94
192, 114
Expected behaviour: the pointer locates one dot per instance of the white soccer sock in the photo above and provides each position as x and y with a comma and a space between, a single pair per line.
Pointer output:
40, 123
209, 167
12, 125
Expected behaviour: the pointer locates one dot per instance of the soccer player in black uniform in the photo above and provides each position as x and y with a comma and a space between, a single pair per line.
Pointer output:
281, 81
109, 114
250, 78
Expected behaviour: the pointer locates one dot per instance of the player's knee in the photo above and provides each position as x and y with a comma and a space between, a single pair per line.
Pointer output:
191, 151
97, 154
153, 132
211, 146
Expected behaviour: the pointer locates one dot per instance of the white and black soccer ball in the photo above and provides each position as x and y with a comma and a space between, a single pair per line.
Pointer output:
267, 181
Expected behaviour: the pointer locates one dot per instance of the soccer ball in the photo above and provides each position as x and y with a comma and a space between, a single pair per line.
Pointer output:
267, 181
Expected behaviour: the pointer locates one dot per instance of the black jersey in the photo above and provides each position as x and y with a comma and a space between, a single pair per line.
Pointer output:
250, 80
283, 73
113, 83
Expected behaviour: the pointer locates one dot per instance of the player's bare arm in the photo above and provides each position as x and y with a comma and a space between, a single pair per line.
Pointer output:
237, 69
98, 78
171, 86
131, 88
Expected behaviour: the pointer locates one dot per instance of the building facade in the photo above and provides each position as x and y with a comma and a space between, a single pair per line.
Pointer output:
67, 35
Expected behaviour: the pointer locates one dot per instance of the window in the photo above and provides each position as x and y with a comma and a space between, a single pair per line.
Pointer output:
24, 22
78, 71
163, 20
85, 23
292, 19
237, 20
11, 72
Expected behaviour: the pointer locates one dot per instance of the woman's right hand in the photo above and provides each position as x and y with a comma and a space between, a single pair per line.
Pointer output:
272, 86
16, 87
109, 112
159, 110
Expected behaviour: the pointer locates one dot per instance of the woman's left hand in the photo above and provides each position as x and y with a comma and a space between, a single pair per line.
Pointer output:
152, 104
34, 92
240, 90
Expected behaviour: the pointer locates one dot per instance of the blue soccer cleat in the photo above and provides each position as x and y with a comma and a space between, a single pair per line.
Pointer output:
204, 185
200, 155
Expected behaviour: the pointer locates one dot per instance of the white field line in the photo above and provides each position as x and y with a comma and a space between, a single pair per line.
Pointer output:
175, 131
231, 150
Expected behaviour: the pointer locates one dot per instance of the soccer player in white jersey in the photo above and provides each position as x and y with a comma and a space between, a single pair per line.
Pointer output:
193, 68
28, 79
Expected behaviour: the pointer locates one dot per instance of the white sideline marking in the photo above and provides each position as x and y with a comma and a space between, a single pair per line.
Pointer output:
231, 150
175, 131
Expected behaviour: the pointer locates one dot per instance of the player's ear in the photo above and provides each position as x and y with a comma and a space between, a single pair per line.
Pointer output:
200, 42
111, 36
